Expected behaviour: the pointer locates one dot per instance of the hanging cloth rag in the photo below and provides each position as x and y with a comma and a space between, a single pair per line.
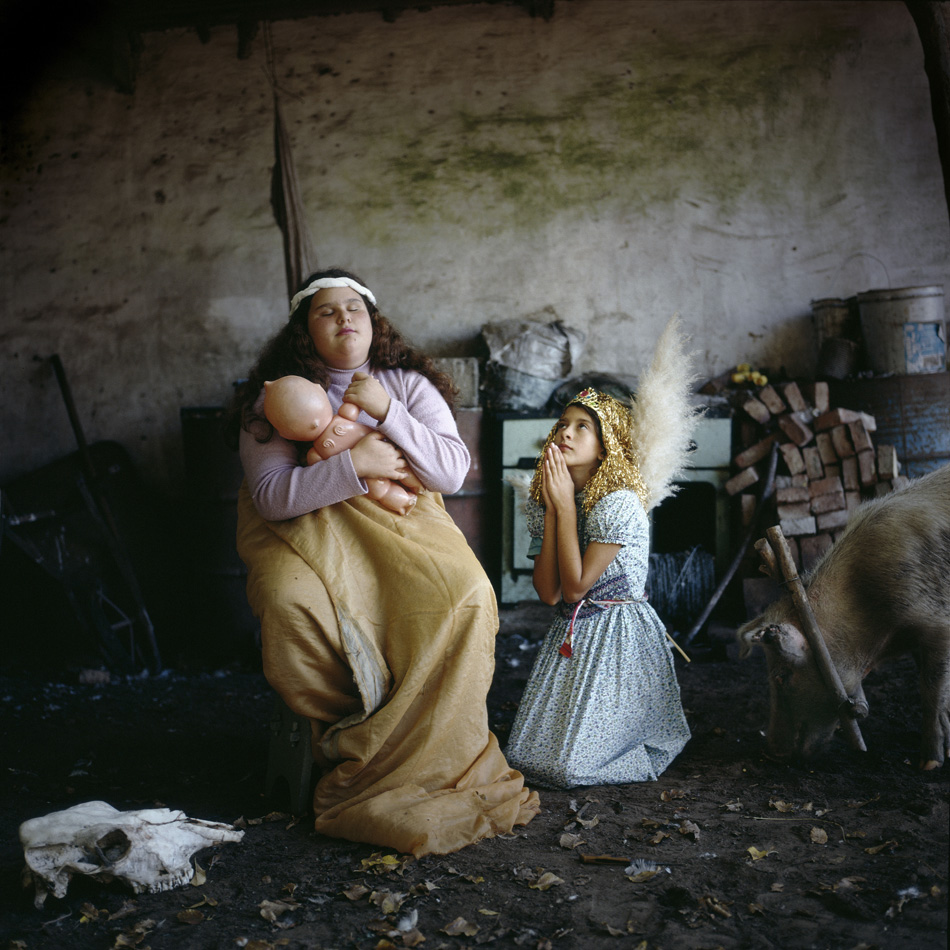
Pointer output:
300, 256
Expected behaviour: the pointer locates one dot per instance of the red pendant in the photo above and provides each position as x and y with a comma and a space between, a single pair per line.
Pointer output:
566, 650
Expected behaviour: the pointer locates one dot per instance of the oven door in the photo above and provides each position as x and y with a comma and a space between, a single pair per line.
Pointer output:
522, 441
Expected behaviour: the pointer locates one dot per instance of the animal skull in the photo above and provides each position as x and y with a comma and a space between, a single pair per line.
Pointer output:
150, 849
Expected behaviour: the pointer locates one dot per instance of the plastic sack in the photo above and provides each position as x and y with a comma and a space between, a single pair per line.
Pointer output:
527, 359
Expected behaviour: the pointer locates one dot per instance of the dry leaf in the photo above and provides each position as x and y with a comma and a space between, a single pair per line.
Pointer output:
546, 881
412, 938
877, 849
355, 891
190, 916
640, 876
667, 795
690, 828
757, 855
271, 910
199, 877
128, 941
589, 822
781, 806
206, 902
387, 901
126, 910
756, 909
658, 837
778, 886
849, 884
818, 835
460, 927
732, 806
570, 841
379, 860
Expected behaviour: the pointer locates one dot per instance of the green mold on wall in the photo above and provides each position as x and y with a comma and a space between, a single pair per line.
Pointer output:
693, 116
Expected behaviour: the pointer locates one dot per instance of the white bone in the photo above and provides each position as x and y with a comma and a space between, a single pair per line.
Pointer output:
149, 849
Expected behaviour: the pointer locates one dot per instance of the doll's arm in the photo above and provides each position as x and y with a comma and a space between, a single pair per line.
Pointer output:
344, 432
282, 488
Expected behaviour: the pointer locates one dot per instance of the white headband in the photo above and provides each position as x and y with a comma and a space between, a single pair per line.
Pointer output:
322, 282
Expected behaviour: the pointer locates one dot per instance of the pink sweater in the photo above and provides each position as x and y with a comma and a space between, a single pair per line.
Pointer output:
419, 422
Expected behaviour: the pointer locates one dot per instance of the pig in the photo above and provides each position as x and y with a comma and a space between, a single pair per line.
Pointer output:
881, 591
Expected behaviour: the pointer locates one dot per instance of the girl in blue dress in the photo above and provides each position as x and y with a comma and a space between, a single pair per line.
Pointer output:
602, 704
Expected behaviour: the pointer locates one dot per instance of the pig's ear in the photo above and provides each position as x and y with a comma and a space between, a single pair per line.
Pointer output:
749, 634
785, 641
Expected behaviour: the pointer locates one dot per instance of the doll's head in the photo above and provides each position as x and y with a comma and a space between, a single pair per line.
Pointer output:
297, 408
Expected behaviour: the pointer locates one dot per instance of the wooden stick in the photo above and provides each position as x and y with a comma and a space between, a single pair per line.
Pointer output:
678, 647
815, 638
769, 565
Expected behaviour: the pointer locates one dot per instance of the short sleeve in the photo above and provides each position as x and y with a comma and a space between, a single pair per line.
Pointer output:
615, 518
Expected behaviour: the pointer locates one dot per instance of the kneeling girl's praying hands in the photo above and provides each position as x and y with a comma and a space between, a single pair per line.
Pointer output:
560, 571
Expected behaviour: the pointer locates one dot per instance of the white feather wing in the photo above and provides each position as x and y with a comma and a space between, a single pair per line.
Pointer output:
664, 416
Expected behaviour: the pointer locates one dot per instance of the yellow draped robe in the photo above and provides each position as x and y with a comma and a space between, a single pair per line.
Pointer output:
380, 629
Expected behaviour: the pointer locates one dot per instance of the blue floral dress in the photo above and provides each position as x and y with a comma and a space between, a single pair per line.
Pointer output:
610, 713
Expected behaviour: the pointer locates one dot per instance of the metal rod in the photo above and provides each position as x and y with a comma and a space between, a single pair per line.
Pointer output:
764, 496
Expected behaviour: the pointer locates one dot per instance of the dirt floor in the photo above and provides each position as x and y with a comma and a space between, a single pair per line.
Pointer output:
849, 852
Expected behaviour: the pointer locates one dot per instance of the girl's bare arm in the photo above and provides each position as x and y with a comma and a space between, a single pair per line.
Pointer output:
596, 559
547, 581
576, 573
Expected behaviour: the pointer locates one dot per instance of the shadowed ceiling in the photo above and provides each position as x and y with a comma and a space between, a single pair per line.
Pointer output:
107, 33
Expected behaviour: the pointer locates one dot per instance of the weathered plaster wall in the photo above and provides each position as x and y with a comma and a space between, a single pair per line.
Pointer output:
621, 161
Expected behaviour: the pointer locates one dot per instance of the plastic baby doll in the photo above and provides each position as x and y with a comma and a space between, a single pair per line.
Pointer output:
300, 411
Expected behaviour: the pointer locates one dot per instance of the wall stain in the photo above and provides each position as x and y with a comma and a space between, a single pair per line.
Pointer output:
669, 131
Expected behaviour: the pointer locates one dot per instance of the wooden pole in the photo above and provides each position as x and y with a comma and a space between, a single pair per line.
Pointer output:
815, 638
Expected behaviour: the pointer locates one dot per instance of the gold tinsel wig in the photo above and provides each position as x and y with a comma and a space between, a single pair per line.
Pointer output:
620, 468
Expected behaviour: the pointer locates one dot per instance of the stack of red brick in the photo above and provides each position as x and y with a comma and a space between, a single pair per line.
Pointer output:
828, 464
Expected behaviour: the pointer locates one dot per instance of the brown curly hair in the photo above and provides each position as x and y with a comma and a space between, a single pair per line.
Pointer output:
291, 352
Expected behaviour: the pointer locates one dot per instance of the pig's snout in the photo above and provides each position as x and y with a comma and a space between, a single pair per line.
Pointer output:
769, 633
